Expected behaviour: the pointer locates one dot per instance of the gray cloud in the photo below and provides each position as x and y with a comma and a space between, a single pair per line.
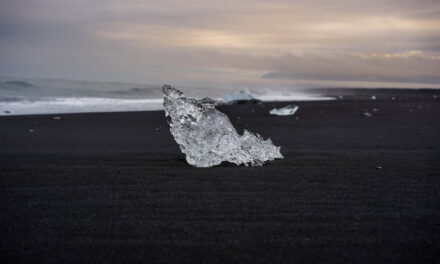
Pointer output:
416, 67
154, 41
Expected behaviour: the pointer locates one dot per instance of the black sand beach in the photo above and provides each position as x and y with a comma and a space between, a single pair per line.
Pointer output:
114, 187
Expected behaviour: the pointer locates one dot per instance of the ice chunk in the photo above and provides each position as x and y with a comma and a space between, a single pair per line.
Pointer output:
239, 97
285, 111
373, 97
207, 137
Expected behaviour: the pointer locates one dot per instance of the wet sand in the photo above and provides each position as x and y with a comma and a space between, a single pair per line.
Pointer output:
114, 187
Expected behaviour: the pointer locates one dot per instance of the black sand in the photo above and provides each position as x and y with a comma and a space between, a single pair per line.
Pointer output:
114, 187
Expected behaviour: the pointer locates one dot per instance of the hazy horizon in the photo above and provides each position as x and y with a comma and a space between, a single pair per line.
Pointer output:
283, 85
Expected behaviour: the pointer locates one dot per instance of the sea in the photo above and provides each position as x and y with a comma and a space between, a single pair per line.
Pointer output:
24, 96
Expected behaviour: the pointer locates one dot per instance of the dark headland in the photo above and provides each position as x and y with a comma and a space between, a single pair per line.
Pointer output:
114, 187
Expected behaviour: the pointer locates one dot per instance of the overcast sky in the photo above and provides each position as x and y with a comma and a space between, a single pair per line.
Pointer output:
203, 42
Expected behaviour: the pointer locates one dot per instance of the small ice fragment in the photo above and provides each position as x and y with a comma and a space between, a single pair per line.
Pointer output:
375, 109
378, 167
239, 97
434, 96
367, 114
285, 111
393, 98
31, 131
341, 97
207, 137
373, 97
56, 118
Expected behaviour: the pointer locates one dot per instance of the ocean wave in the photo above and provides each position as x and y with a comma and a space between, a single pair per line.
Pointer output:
20, 106
15, 84
41, 96
36, 88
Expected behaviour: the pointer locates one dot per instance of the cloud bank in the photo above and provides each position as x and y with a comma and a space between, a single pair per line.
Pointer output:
206, 42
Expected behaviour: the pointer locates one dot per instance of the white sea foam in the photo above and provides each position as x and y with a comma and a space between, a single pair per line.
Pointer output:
292, 97
78, 105
95, 104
